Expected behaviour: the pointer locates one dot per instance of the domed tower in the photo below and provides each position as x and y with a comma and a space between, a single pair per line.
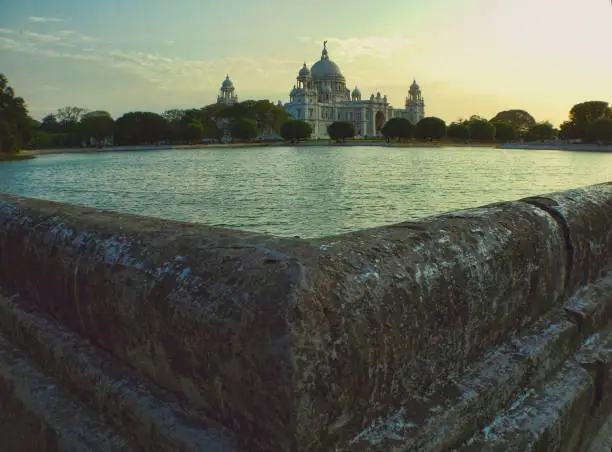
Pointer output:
328, 79
356, 95
304, 79
227, 93
415, 104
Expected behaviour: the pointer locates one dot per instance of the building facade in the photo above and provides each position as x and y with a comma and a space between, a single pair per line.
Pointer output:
321, 97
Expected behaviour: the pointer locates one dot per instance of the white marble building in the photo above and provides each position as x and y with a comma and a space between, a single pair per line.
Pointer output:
321, 97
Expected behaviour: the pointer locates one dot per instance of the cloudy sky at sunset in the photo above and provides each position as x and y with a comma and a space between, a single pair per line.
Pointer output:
469, 56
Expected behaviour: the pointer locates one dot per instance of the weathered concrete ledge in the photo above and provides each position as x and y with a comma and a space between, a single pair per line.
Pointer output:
300, 344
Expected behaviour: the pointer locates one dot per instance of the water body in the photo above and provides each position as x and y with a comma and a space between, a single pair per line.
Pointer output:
301, 191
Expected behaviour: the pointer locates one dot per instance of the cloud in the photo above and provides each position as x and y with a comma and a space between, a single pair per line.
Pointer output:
39, 19
370, 46
40, 36
75, 35
6, 31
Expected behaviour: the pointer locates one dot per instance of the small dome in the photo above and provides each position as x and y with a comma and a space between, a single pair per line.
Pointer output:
415, 86
378, 95
227, 84
304, 72
356, 92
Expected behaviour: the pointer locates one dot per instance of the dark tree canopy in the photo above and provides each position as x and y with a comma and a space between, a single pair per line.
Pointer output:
398, 128
70, 114
430, 128
244, 129
588, 112
583, 114
97, 125
481, 129
542, 131
341, 130
141, 128
600, 130
15, 124
458, 131
505, 131
295, 130
520, 119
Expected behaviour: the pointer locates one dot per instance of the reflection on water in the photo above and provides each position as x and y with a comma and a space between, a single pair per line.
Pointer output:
301, 191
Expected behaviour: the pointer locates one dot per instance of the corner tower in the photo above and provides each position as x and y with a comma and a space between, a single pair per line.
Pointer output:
227, 93
415, 104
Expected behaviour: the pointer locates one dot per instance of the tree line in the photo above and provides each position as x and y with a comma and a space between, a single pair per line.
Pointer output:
75, 126
588, 121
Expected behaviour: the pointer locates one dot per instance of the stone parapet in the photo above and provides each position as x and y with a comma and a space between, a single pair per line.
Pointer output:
262, 343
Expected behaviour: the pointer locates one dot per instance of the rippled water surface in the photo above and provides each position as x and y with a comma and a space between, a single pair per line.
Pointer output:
300, 191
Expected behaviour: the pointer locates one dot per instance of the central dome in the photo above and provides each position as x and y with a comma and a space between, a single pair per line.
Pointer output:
325, 68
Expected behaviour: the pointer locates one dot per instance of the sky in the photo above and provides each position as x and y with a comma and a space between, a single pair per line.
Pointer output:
470, 57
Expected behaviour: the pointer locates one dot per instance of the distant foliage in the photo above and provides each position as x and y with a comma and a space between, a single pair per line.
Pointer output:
244, 129
542, 131
97, 126
581, 116
458, 131
399, 128
15, 124
430, 128
341, 130
481, 129
141, 127
505, 131
520, 119
70, 114
600, 131
296, 130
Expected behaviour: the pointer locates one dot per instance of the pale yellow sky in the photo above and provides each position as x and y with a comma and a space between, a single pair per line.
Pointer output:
470, 57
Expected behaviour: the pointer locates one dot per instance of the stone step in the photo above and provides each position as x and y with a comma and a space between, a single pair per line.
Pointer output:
550, 417
37, 415
152, 417
450, 414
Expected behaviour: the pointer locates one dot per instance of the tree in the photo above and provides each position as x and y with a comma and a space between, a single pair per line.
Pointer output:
520, 119
295, 130
141, 128
41, 140
481, 129
583, 114
194, 131
430, 128
98, 125
541, 131
70, 114
458, 131
600, 130
15, 124
398, 128
7, 137
505, 131
341, 130
50, 124
244, 129
569, 131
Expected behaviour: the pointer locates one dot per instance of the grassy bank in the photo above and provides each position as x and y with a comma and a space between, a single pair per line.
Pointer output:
4, 157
